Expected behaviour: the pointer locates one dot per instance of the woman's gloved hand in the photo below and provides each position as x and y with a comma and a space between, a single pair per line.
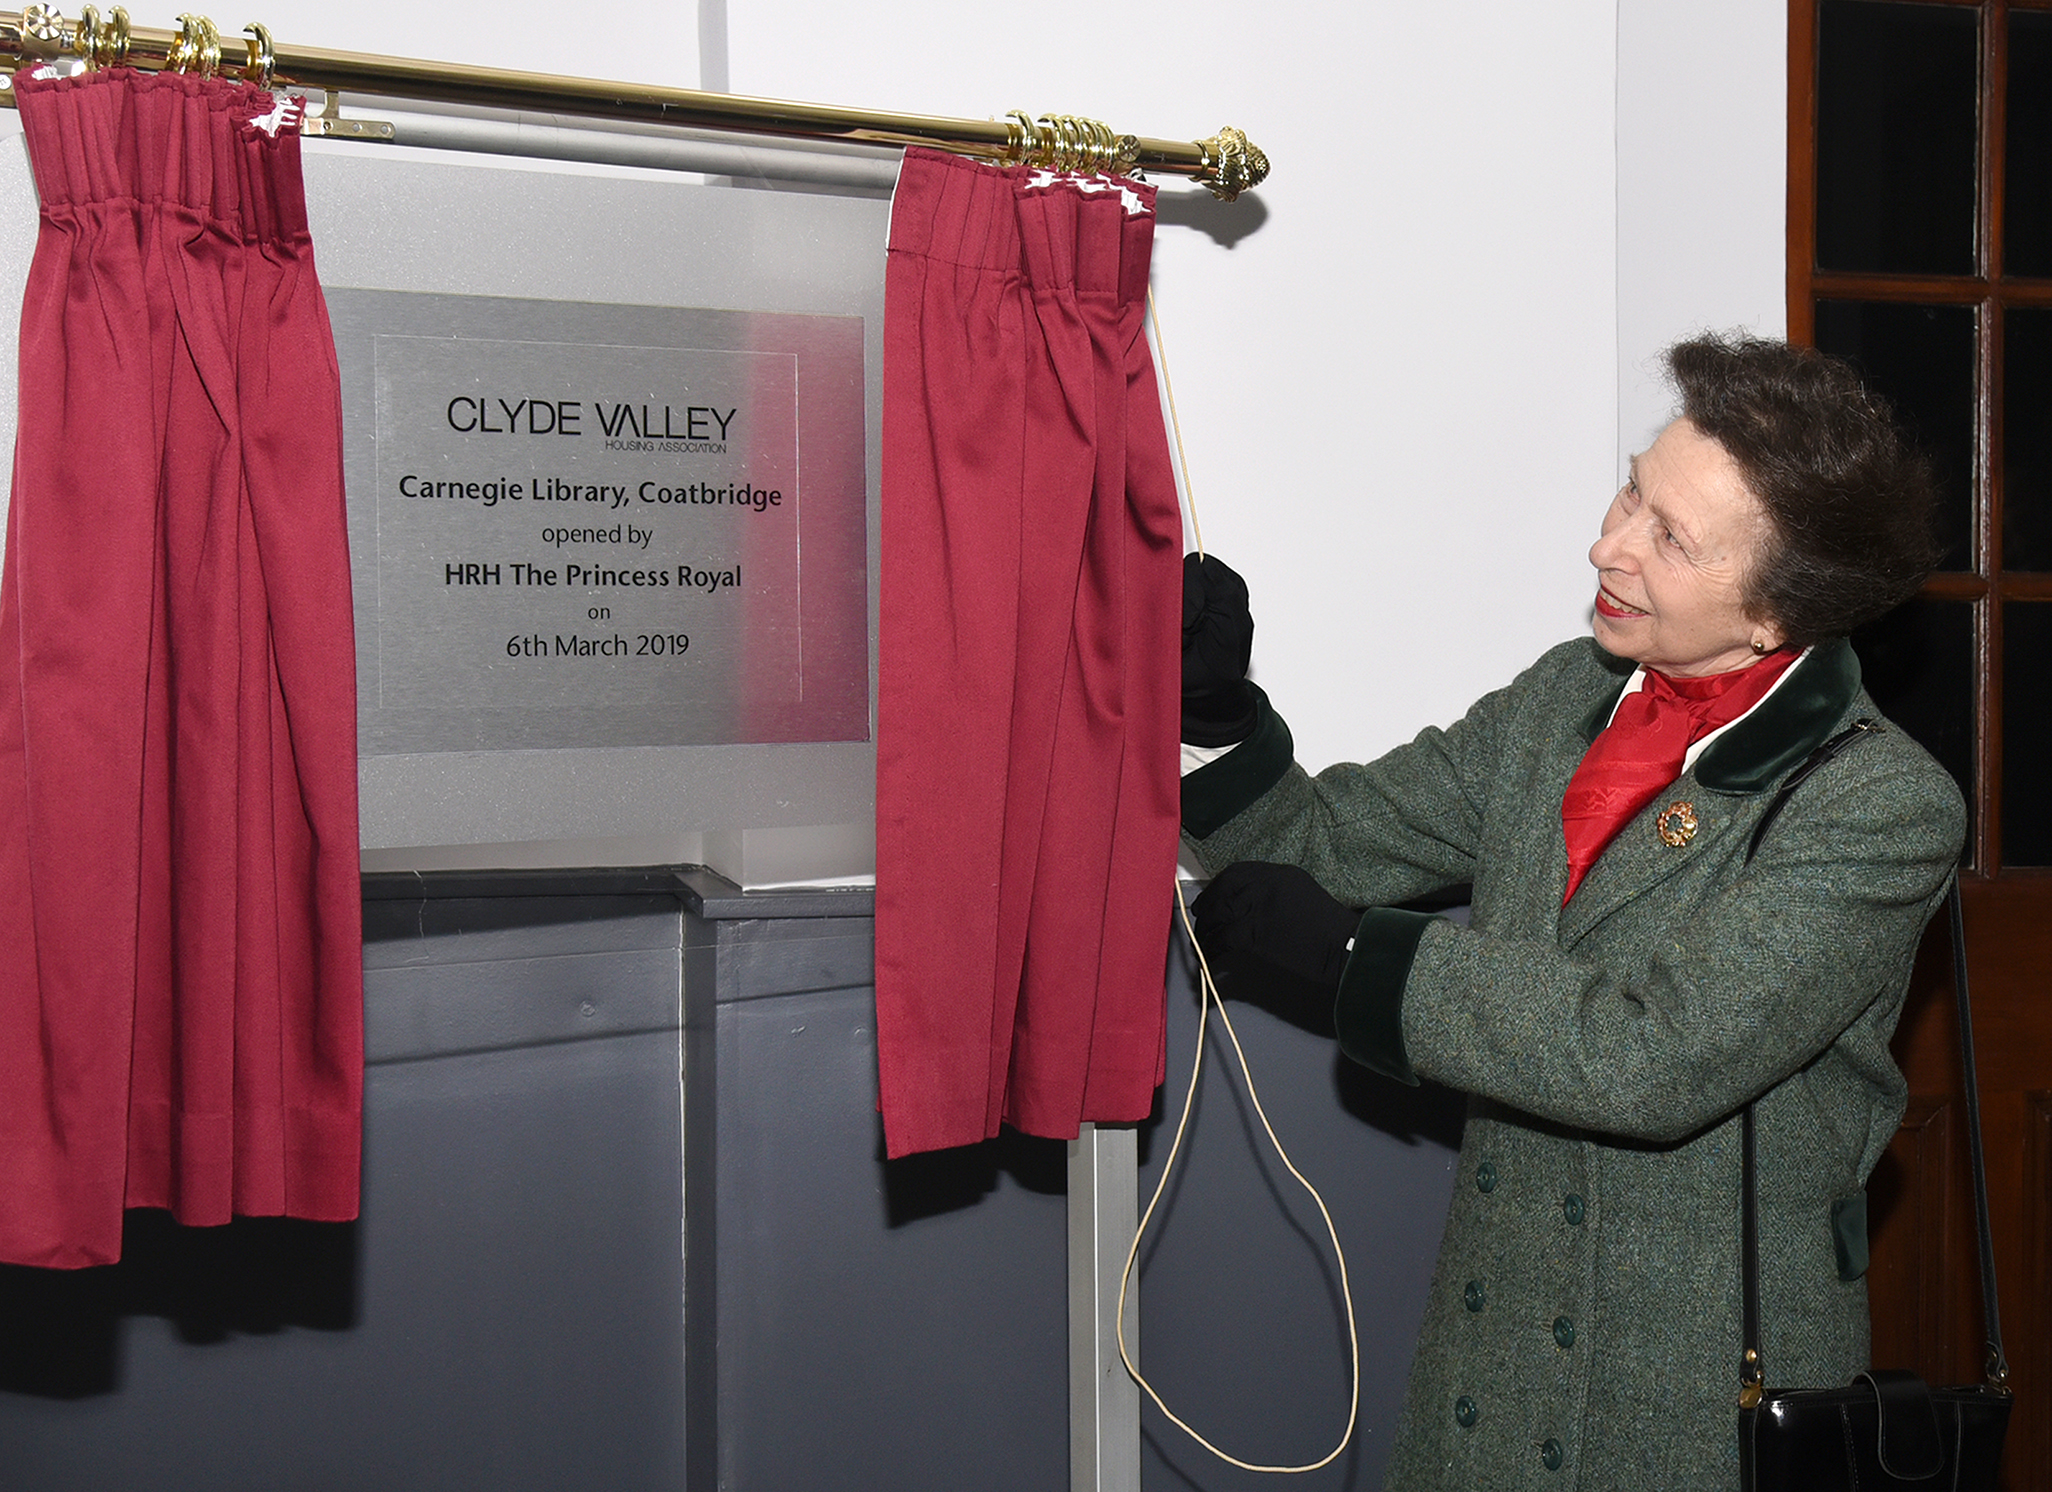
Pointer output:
1218, 641
1279, 915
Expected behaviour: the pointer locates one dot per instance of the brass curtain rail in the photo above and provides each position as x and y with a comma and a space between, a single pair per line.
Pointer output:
1227, 162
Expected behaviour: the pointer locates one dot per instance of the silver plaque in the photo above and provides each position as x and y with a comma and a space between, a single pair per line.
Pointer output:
595, 525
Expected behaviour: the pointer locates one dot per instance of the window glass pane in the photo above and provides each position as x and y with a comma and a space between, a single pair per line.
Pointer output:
1922, 359
2027, 205
1897, 94
2026, 733
1918, 663
2027, 440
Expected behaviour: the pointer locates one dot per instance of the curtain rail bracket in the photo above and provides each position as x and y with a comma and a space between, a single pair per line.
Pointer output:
330, 125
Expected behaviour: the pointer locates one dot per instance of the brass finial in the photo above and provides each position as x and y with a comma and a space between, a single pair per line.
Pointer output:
1232, 164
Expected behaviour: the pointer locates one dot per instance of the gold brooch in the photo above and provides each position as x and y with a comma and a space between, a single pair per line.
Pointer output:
1677, 823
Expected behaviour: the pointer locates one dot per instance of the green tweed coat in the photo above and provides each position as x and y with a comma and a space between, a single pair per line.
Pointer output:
1583, 1328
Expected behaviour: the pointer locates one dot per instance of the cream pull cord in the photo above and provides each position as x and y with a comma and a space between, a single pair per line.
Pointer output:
1211, 997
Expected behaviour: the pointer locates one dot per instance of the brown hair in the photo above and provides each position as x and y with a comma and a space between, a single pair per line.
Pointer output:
1848, 502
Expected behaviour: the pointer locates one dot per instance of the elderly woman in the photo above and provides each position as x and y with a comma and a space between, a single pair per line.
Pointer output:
1671, 919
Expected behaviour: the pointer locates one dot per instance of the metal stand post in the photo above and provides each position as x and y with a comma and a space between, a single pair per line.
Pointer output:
1104, 1402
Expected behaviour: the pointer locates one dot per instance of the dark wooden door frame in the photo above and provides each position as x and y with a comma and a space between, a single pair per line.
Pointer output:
1922, 1284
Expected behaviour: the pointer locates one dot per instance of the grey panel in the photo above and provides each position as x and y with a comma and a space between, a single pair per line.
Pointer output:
445, 1010
484, 929
807, 956
506, 1313
887, 1325
527, 1290
701, 1203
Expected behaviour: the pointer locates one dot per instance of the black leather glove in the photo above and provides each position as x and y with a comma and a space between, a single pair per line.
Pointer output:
1279, 915
1218, 641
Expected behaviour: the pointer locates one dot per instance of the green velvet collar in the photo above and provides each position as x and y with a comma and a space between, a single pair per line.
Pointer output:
1788, 725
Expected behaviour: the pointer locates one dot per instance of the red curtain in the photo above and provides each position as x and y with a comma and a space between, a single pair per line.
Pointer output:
1027, 709
181, 987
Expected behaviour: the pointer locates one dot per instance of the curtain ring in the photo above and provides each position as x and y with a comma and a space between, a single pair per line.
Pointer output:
1025, 144
198, 48
1054, 143
1090, 138
1107, 146
102, 44
1074, 143
1069, 142
1084, 134
1060, 143
89, 36
263, 57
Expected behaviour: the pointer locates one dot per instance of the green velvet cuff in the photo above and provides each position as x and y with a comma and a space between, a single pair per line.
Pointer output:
1369, 1011
1220, 789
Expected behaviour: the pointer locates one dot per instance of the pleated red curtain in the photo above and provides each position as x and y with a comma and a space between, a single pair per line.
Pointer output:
181, 984
1028, 673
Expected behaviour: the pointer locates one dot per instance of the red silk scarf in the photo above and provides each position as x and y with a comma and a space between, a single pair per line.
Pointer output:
1642, 750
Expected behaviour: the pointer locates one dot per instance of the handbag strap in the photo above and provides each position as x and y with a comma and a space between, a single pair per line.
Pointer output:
1997, 1365
1864, 726
1752, 1375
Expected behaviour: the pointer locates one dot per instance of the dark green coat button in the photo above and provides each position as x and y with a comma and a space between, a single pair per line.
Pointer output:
1485, 1177
1563, 1331
1551, 1455
1474, 1295
1465, 1412
1571, 1208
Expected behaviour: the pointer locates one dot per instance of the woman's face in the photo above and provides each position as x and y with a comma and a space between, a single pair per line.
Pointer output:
1678, 541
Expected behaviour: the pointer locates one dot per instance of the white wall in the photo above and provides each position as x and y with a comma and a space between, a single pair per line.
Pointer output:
1702, 153
636, 42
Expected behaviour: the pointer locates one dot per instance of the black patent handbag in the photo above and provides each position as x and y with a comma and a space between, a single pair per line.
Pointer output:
1886, 1429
